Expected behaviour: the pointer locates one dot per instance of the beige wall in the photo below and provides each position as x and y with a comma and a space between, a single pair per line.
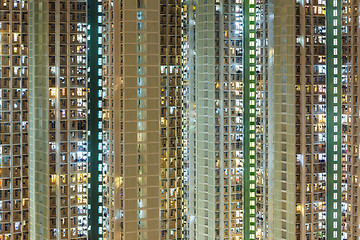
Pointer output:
282, 121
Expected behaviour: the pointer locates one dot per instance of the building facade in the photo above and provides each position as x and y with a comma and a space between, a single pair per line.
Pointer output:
14, 117
350, 118
240, 132
95, 116
321, 119
58, 120
142, 119
169, 119
131, 117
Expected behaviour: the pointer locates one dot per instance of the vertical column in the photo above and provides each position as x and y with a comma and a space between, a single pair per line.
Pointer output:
301, 123
333, 119
38, 120
94, 57
112, 43
205, 120
14, 120
170, 118
249, 120
281, 120
262, 19
188, 120
136, 103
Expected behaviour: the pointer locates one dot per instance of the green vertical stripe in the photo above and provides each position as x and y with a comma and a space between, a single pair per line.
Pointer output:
333, 155
93, 120
249, 121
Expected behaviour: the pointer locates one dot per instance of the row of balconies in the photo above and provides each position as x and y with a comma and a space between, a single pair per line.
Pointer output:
14, 50
75, 103
172, 50
13, 71
170, 81
64, 61
16, 194
165, 164
170, 183
64, 222
18, 205
17, 105
64, 137
13, 183
73, 71
170, 153
16, 172
16, 16
16, 94
170, 173
16, 83
170, 20
74, 82
64, 191
170, 91
64, 200
172, 131
167, 194
10, 216
16, 149
172, 102
171, 213
67, 125
6, 229
73, 233
74, 168
15, 161
171, 224
170, 8
74, 16
172, 144
14, 6
15, 61
168, 40
167, 234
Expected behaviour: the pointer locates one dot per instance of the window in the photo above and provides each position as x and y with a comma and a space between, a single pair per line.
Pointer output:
141, 103
141, 93
140, 4
140, 26
141, 115
140, 15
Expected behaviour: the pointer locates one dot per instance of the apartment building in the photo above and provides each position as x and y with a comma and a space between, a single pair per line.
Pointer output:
57, 119
169, 119
95, 114
224, 150
142, 119
322, 117
350, 119
239, 119
14, 117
